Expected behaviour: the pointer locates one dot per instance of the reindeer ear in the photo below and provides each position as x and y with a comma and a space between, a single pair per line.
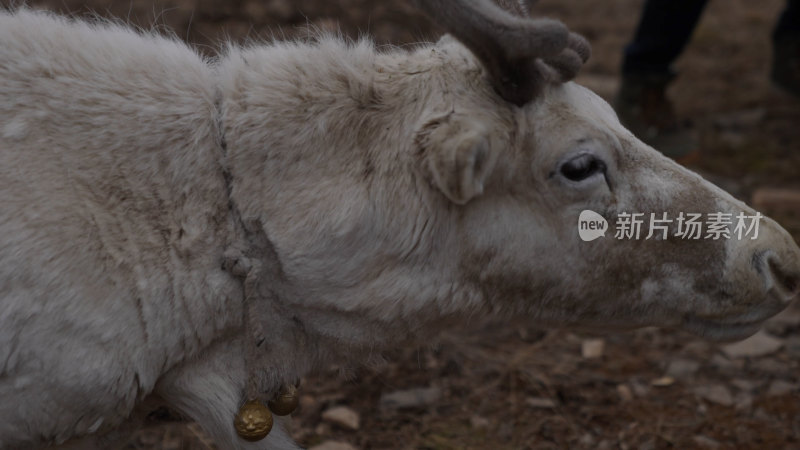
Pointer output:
456, 156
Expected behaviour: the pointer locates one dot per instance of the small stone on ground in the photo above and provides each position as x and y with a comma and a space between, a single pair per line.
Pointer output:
663, 381
705, 442
540, 402
410, 398
592, 348
715, 393
759, 344
478, 422
625, 393
342, 416
682, 368
780, 387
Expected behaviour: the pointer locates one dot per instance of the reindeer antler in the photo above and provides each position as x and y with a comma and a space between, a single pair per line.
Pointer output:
516, 51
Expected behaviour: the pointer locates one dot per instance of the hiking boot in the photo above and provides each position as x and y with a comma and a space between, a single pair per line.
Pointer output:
786, 63
643, 107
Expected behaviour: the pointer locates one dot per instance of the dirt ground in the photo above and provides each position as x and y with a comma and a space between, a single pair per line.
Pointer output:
508, 386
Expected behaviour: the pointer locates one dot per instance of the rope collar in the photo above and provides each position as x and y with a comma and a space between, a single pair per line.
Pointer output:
253, 259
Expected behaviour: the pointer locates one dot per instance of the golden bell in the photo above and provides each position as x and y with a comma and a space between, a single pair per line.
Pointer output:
285, 401
253, 422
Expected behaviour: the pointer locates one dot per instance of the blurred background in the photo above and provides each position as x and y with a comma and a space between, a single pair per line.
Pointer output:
508, 386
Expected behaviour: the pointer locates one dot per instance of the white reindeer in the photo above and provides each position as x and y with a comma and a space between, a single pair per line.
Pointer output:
203, 233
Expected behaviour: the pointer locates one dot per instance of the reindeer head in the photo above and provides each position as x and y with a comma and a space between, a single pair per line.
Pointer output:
449, 180
517, 177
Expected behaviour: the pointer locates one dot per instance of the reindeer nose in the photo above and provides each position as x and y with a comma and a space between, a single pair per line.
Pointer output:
781, 278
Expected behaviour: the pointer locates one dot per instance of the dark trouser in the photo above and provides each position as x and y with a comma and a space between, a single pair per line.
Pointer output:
666, 27
789, 22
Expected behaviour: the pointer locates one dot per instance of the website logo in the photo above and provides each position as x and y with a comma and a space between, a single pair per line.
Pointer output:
591, 225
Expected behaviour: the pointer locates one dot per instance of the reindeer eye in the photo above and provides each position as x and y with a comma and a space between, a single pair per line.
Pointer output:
582, 167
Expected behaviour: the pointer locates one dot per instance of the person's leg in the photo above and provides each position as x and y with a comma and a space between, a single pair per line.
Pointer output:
664, 30
786, 49
789, 21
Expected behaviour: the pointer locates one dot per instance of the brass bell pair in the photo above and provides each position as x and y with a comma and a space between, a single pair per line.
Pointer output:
254, 421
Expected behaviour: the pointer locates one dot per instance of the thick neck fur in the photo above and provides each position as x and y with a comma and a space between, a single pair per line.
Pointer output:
319, 149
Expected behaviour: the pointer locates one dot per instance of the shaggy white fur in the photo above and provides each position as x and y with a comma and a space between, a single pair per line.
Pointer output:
399, 190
